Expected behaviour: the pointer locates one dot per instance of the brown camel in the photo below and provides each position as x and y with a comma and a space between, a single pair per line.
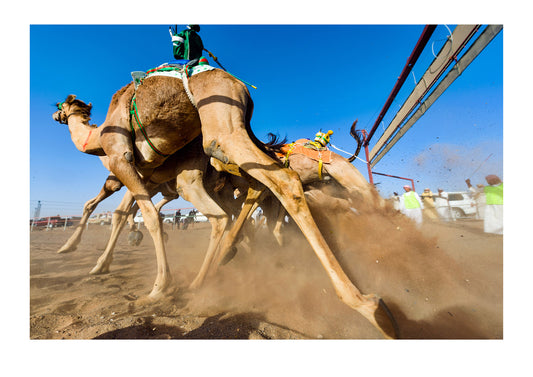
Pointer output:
187, 172
182, 174
333, 171
328, 167
170, 113
316, 172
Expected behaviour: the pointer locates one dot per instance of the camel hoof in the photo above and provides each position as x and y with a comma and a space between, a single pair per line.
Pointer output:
155, 297
386, 321
161, 292
229, 256
99, 270
66, 249
197, 283
135, 237
144, 301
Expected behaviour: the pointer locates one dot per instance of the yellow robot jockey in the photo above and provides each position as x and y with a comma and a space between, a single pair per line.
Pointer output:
321, 139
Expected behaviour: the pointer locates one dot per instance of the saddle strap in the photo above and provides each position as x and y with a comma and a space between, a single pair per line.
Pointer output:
186, 86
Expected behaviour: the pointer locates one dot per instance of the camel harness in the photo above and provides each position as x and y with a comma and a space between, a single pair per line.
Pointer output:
308, 149
182, 72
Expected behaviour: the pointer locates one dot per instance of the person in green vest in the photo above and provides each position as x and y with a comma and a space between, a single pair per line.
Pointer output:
411, 205
493, 222
187, 46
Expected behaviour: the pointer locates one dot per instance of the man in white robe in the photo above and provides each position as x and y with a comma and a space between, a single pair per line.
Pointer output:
478, 193
494, 205
411, 205
442, 206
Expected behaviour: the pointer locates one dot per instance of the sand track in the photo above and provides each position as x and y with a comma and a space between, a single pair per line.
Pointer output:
445, 281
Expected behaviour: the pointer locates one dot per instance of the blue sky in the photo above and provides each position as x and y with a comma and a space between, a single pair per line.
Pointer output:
337, 80
309, 77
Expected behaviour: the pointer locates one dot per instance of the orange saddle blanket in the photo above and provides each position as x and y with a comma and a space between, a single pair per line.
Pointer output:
298, 147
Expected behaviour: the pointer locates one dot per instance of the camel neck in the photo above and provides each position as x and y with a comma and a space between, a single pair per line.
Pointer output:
84, 136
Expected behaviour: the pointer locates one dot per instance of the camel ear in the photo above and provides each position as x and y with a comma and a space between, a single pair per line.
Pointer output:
70, 98
90, 105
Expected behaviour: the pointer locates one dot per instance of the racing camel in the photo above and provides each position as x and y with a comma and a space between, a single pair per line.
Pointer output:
324, 168
168, 114
317, 170
182, 174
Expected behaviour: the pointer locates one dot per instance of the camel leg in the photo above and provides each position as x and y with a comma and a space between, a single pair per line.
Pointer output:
110, 186
165, 200
254, 193
244, 236
286, 186
125, 212
117, 223
247, 238
278, 235
126, 173
273, 210
289, 191
130, 217
191, 187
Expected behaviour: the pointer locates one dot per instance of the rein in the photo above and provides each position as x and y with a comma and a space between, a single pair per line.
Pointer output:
78, 112
68, 116
134, 114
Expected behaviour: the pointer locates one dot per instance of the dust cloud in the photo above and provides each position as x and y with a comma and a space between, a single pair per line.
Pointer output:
431, 279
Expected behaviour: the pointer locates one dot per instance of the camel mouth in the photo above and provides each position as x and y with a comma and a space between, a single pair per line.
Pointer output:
57, 117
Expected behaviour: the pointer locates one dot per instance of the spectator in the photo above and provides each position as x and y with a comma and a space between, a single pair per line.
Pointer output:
258, 217
442, 206
177, 218
395, 201
493, 222
411, 205
429, 205
478, 194
189, 219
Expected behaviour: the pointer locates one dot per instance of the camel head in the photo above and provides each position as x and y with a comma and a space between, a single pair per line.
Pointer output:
70, 107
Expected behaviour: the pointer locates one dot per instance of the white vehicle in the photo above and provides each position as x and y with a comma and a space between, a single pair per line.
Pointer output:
461, 204
138, 219
169, 220
102, 218
200, 218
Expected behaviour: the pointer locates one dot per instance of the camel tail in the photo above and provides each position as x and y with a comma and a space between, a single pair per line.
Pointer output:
274, 142
357, 135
